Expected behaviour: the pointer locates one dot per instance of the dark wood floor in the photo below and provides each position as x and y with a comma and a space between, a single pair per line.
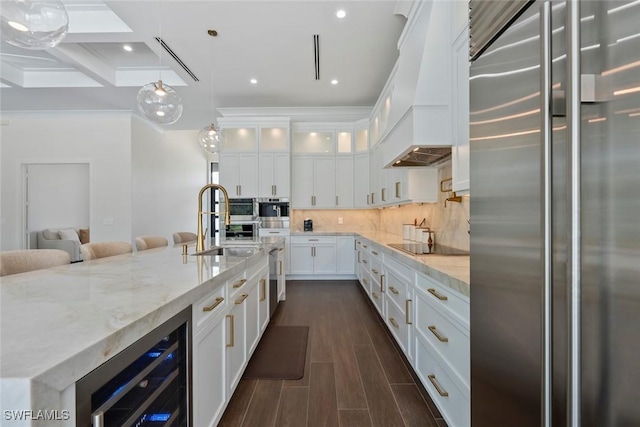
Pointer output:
354, 374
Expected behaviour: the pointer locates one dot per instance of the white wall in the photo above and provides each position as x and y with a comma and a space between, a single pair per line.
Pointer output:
102, 139
169, 168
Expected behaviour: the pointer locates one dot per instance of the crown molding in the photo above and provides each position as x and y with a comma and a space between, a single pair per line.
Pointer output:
301, 114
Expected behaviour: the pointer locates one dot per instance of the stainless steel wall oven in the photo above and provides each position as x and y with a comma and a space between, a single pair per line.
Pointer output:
147, 384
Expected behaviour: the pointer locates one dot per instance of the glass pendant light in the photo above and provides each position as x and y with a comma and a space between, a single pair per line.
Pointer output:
34, 24
209, 137
157, 101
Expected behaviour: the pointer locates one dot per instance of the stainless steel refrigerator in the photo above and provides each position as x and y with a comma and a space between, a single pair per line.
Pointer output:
555, 213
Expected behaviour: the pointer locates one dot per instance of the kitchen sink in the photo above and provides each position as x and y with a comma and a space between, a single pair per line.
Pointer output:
243, 251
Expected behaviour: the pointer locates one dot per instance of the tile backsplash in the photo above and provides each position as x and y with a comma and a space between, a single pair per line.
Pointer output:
449, 223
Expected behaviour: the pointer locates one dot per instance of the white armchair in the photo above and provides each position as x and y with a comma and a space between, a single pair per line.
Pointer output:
64, 239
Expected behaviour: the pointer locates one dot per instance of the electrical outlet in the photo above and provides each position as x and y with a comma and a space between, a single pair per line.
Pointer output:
339, 220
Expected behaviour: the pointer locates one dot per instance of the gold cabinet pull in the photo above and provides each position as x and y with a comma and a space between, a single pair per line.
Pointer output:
374, 295
273, 190
280, 268
242, 298
358, 257
374, 252
439, 389
437, 295
406, 312
337, 204
373, 199
397, 189
365, 281
263, 284
214, 305
435, 332
313, 240
239, 283
393, 322
374, 271
368, 199
383, 194
232, 330
365, 261
393, 290
382, 283
365, 246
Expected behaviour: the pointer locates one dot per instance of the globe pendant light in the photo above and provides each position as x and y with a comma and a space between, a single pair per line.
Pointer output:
209, 136
157, 101
34, 24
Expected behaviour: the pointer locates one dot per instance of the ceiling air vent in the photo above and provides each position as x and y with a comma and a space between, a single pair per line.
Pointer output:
177, 58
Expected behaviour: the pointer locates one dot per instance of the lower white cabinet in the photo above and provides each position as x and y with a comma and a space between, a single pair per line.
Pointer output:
313, 255
228, 324
280, 232
345, 255
209, 348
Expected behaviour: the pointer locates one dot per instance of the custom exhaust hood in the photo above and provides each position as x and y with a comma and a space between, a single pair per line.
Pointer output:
418, 93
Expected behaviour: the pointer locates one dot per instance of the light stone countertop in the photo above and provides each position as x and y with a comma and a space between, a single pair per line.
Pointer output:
58, 324
451, 271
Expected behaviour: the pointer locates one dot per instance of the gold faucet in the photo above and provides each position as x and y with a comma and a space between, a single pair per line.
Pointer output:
227, 219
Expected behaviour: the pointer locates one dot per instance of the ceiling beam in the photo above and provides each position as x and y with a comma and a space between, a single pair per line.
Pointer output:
86, 62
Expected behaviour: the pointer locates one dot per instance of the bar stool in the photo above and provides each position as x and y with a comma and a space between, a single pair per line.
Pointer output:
21, 261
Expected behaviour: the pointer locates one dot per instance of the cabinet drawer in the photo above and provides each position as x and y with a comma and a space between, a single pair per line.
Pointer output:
376, 273
445, 297
447, 336
401, 270
313, 239
451, 399
236, 284
375, 252
209, 306
397, 324
396, 288
255, 268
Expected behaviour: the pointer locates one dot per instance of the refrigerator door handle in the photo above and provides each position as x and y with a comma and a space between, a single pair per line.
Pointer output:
547, 95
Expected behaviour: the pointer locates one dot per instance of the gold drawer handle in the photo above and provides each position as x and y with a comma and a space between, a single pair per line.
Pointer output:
242, 298
374, 271
374, 252
440, 391
435, 332
393, 290
365, 261
214, 305
393, 322
239, 283
437, 295
365, 246
263, 284
232, 330
374, 295
406, 312
365, 281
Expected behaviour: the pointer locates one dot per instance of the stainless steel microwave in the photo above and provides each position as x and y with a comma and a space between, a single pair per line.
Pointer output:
243, 209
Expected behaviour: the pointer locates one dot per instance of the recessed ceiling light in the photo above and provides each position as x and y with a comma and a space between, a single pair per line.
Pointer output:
334, 82
128, 48
253, 81
341, 13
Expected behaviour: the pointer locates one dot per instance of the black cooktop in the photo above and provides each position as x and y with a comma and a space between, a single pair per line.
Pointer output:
415, 248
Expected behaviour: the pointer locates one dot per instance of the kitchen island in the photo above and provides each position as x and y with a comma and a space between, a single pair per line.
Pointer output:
59, 324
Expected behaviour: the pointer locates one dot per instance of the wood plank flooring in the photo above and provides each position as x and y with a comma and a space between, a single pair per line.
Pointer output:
354, 373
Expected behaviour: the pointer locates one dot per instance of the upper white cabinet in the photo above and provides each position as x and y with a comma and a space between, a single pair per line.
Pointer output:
314, 182
460, 131
344, 181
240, 139
313, 141
239, 174
275, 175
361, 194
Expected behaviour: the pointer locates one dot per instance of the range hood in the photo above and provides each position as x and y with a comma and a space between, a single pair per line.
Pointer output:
418, 132
424, 156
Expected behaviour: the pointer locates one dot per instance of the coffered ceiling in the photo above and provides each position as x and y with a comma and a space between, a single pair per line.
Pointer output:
269, 41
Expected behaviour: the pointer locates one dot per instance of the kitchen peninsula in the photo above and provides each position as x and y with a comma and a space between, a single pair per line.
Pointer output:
59, 324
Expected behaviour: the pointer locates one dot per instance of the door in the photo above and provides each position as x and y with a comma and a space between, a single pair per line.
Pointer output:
282, 175
267, 173
324, 182
56, 196
209, 385
228, 170
324, 258
248, 175
301, 259
302, 185
344, 181
361, 180
236, 354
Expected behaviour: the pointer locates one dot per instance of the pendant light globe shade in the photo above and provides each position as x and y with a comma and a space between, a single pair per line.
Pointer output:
159, 103
34, 24
209, 139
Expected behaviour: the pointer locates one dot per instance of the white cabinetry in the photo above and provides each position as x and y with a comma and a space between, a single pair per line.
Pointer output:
239, 174
280, 232
344, 182
460, 131
345, 261
313, 255
314, 182
361, 194
275, 175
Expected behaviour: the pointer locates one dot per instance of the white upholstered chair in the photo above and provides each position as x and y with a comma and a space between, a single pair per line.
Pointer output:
104, 249
20, 261
184, 237
65, 239
150, 242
